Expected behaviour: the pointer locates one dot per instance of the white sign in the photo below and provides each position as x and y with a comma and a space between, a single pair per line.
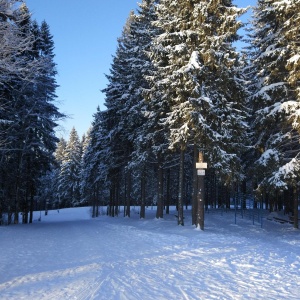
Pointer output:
201, 165
200, 172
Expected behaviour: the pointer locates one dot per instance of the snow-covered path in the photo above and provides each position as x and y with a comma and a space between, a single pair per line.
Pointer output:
71, 256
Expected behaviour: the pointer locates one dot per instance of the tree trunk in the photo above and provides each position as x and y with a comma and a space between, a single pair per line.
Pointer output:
94, 203
111, 210
296, 225
128, 196
17, 201
1, 212
31, 207
97, 200
117, 194
143, 195
46, 207
25, 209
17, 195
168, 190
267, 201
181, 189
195, 186
160, 207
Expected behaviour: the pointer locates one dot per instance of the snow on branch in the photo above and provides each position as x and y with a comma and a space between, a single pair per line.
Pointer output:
263, 92
295, 59
5, 121
286, 173
269, 154
194, 62
287, 107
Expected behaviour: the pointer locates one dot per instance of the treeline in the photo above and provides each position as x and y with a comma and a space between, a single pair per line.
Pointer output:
28, 114
177, 88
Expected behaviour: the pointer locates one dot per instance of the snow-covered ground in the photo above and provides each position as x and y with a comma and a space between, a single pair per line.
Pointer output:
69, 255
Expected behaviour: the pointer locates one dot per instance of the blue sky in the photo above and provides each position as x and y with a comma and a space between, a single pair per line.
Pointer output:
85, 35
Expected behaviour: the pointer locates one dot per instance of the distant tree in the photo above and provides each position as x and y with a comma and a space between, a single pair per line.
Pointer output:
69, 177
59, 152
85, 140
47, 196
55, 171
94, 165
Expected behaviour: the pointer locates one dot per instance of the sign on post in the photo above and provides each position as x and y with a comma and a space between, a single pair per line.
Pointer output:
201, 165
200, 172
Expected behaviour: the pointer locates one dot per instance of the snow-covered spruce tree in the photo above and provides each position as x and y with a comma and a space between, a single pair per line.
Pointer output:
123, 115
89, 170
41, 121
94, 172
69, 177
14, 42
28, 106
85, 141
47, 196
59, 152
140, 32
291, 34
197, 83
114, 91
55, 172
129, 112
151, 146
275, 100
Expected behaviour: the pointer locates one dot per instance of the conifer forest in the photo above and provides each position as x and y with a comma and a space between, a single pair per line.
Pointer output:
180, 93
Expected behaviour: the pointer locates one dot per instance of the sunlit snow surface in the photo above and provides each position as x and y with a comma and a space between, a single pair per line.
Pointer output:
69, 255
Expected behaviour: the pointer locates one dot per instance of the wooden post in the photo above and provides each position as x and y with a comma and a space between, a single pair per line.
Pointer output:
296, 225
200, 197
